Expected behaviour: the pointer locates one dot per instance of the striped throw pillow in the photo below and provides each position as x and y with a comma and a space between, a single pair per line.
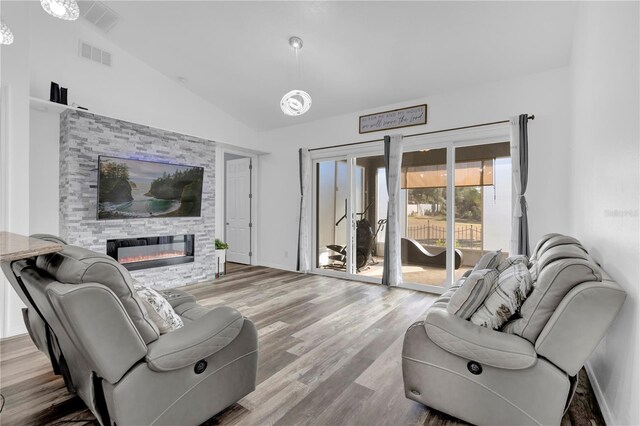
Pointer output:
512, 260
514, 285
488, 261
443, 300
468, 298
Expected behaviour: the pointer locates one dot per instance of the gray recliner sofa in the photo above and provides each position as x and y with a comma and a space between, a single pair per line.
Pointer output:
525, 374
82, 311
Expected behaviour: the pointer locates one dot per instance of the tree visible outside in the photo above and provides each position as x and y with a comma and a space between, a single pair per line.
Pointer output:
469, 204
431, 212
431, 202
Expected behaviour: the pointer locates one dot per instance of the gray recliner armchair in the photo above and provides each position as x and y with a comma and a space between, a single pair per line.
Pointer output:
83, 312
525, 374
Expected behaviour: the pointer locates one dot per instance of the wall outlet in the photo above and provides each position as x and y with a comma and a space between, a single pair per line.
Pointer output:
286, 254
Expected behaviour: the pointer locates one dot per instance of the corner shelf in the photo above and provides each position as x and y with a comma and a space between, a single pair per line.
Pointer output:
48, 106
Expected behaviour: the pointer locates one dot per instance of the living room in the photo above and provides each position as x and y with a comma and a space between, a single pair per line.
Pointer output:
188, 93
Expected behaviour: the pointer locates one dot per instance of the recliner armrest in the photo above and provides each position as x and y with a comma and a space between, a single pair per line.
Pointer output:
177, 297
565, 340
196, 340
473, 342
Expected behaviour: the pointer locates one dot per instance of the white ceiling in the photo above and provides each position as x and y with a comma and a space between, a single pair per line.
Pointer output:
356, 55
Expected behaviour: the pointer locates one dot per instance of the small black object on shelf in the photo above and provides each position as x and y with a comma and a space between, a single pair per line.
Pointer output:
54, 93
63, 95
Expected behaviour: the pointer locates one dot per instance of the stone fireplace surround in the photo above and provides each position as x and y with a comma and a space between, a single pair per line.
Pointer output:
85, 136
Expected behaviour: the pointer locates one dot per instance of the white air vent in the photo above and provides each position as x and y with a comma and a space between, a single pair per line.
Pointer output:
94, 54
99, 14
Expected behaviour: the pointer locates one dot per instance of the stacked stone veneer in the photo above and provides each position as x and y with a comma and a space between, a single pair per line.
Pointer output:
85, 136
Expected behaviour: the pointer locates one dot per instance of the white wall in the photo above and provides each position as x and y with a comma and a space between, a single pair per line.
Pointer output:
45, 50
547, 95
605, 161
130, 90
15, 139
44, 156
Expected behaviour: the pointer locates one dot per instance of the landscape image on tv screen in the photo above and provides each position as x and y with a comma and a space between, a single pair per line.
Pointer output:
144, 189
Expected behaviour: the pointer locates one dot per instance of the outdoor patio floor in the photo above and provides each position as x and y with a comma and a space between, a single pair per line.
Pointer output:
415, 274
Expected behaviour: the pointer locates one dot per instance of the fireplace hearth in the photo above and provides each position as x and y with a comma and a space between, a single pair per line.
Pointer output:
152, 252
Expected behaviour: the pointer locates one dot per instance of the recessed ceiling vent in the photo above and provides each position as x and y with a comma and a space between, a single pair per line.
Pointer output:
99, 15
94, 54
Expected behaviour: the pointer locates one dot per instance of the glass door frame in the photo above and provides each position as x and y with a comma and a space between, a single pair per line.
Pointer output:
449, 140
314, 217
350, 157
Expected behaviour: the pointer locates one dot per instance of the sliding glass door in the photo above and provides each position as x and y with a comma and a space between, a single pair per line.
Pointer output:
331, 223
455, 205
350, 202
483, 200
425, 241
370, 217
481, 203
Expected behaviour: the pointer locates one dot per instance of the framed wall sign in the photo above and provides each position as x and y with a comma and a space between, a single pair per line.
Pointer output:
394, 119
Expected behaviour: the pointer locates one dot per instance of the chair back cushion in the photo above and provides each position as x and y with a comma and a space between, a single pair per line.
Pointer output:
541, 242
553, 240
75, 265
50, 238
557, 266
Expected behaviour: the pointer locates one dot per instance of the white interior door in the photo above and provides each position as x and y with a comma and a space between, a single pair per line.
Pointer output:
238, 210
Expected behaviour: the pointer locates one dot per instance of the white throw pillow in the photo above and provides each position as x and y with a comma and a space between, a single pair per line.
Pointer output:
475, 289
505, 299
160, 310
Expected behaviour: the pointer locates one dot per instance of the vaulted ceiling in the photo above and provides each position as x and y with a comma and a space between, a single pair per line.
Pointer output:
356, 55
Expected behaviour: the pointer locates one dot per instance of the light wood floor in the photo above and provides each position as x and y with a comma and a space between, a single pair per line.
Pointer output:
329, 355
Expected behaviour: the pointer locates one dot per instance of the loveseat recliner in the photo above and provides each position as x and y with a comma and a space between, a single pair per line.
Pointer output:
526, 373
83, 312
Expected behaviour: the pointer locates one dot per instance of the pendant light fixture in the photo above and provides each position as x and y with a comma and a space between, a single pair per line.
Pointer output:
63, 9
6, 36
296, 102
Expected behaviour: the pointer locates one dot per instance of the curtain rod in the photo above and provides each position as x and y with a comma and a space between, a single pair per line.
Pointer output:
530, 117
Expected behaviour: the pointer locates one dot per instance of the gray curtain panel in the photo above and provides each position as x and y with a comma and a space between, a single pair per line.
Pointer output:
392, 271
385, 269
523, 229
520, 169
304, 261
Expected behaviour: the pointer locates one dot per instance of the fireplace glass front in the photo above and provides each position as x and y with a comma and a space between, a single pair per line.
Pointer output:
152, 252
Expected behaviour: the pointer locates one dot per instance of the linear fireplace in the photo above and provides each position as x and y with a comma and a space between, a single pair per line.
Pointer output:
152, 252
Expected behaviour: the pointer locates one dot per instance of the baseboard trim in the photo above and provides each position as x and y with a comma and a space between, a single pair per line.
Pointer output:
16, 330
15, 336
602, 401
277, 266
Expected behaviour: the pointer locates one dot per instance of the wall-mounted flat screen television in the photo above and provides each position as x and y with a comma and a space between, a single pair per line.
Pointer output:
130, 189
